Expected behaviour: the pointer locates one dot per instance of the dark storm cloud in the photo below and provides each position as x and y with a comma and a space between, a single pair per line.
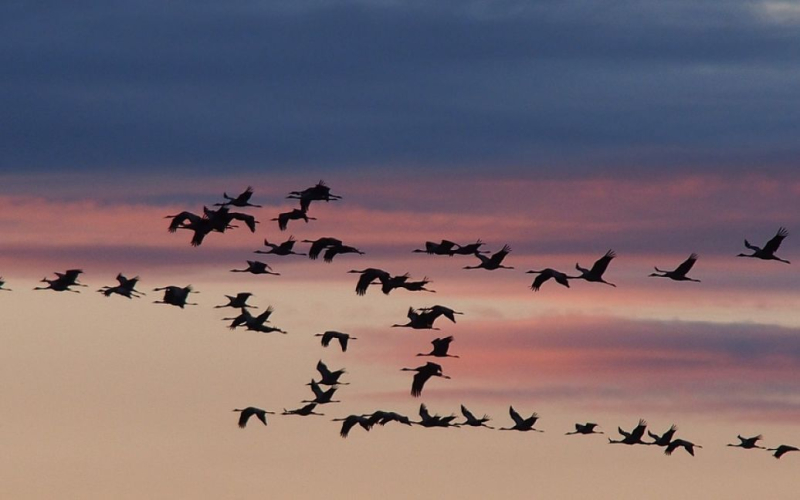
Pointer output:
202, 86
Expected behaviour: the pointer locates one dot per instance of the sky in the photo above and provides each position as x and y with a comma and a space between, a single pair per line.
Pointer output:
563, 129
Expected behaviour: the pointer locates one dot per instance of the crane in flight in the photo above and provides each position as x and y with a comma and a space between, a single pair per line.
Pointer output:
237, 302
493, 262
248, 412
678, 443
424, 373
679, 273
328, 377
304, 411
782, 450
329, 335
595, 274
321, 397
587, 428
62, 282
768, 252
285, 248
445, 247
748, 443
664, 439
521, 424
319, 192
368, 276
428, 420
384, 417
546, 274
125, 287
351, 421
633, 437
242, 200
295, 214
470, 249
175, 295
472, 421
256, 267
440, 348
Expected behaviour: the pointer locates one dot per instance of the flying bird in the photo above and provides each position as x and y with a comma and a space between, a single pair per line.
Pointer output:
304, 411
437, 310
417, 320
768, 252
472, 421
384, 417
320, 244
546, 274
633, 437
470, 249
521, 424
2, 283
296, 214
782, 450
748, 443
440, 348
329, 377
368, 276
237, 302
424, 373
62, 282
242, 200
595, 274
428, 420
329, 335
493, 262
248, 412
175, 295
587, 428
351, 421
334, 250
679, 274
319, 192
285, 248
445, 247
678, 443
126, 287
321, 397
664, 439
256, 267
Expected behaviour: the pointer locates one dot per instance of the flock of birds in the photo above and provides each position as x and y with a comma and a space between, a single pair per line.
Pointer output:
222, 218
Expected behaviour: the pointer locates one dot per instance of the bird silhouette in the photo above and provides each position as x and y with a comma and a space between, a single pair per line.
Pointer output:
237, 302
440, 348
175, 295
285, 248
469, 249
320, 244
521, 424
664, 439
633, 437
424, 373
321, 397
748, 443
768, 252
351, 421
418, 320
595, 274
334, 250
679, 274
415, 286
126, 287
62, 282
242, 200
437, 310
319, 192
304, 411
368, 276
248, 412
782, 450
546, 274
678, 443
428, 420
329, 377
472, 421
2, 284
493, 262
256, 267
445, 247
384, 417
329, 335
587, 428
296, 214
245, 318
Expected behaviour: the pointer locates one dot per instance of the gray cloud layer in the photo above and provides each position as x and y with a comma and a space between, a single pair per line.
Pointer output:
198, 85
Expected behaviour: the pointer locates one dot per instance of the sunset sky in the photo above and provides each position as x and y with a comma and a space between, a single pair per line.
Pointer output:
563, 129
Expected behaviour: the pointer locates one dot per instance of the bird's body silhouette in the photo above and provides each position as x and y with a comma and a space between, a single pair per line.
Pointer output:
424, 373
521, 424
782, 450
440, 348
62, 282
295, 214
546, 274
282, 249
368, 276
334, 250
679, 273
242, 200
445, 247
469, 249
768, 252
329, 335
351, 421
384, 417
493, 262
749, 443
2, 284
320, 244
256, 267
303, 411
254, 323
319, 192
472, 421
417, 320
248, 412
595, 274
415, 286
633, 437
328, 377
200, 225
587, 428
321, 396
428, 420
237, 302
681, 443
175, 295
126, 287
664, 439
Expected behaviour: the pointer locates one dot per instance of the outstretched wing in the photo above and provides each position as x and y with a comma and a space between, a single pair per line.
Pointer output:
773, 244
515, 416
686, 266
601, 264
